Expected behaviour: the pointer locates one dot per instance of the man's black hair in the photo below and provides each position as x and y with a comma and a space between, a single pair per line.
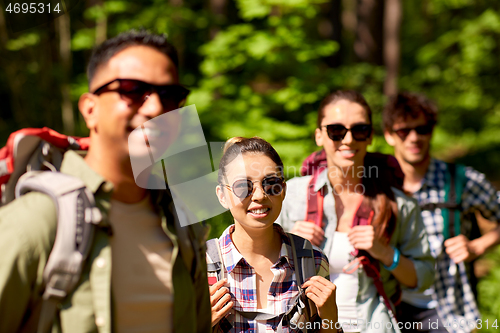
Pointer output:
408, 104
101, 54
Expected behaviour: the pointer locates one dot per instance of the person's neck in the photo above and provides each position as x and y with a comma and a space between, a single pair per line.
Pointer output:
414, 173
345, 179
253, 243
117, 170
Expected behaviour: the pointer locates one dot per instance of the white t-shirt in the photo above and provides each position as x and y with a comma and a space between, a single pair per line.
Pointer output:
347, 284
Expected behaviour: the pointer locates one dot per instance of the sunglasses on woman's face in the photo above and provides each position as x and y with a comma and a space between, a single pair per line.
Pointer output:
244, 188
136, 92
360, 132
421, 130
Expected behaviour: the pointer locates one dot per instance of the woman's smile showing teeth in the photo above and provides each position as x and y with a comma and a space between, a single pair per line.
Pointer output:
347, 153
259, 212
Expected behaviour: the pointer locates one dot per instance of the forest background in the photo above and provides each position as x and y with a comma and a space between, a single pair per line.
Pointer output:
261, 67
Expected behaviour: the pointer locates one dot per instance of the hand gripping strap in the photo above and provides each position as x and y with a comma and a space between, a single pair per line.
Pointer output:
305, 267
76, 219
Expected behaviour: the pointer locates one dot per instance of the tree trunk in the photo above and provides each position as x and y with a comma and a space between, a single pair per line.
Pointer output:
218, 9
63, 27
101, 26
392, 25
369, 39
330, 27
14, 79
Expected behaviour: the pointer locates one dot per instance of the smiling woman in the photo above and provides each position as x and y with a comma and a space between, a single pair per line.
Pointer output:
261, 287
372, 233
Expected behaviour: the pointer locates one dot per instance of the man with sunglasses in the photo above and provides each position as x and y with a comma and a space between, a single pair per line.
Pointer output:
450, 304
145, 273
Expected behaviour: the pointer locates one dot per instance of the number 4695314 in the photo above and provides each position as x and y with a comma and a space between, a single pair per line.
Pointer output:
32, 8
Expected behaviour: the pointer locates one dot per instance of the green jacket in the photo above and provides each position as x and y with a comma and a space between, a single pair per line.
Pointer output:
27, 233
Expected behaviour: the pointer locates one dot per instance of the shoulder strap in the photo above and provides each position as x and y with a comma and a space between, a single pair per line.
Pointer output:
364, 216
303, 258
215, 265
314, 210
77, 215
305, 267
452, 205
459, 184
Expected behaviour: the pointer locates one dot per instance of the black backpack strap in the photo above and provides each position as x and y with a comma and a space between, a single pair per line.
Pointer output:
305, 267
215, 265
77, 216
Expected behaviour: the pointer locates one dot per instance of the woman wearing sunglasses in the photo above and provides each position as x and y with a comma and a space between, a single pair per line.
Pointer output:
372, 233
256, 254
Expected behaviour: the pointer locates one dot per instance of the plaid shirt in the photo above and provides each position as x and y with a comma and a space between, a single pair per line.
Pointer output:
453, 290
242, 282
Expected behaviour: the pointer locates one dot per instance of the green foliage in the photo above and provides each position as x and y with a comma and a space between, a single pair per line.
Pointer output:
458, 69
489, 293
261, 67
24, 41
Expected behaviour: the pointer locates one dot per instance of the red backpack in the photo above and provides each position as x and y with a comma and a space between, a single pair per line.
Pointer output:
33, 149
392, 176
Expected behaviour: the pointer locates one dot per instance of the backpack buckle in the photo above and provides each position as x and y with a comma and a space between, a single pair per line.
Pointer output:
58, 286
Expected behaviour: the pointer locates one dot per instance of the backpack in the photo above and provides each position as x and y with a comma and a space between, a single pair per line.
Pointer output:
23, 163
392, 174
31, 161
305, 267
452, 207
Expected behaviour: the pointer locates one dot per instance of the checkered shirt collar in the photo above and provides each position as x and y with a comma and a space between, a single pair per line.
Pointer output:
232, 257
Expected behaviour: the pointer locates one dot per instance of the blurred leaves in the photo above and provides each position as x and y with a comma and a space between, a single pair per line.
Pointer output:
261, 67
25, 40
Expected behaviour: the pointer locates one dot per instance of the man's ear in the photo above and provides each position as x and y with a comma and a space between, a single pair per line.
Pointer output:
319, 137
221, 196
87, 107
389, 138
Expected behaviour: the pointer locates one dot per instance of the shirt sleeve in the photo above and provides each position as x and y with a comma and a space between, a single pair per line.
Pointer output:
26, 238
479, 194
413, 243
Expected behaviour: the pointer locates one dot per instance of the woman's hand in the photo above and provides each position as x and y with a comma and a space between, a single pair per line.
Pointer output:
322, 292
362, 237
220, 300
309, 231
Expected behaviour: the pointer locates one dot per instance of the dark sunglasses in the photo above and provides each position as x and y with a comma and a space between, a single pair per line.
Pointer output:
244, 188
360, 132
422, 130
136, 92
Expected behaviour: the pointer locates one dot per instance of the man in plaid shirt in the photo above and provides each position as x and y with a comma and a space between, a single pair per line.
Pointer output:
450, 305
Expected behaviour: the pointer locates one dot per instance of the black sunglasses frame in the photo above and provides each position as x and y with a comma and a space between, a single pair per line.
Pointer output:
143, 90
420, 130
267, 188
359, 132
